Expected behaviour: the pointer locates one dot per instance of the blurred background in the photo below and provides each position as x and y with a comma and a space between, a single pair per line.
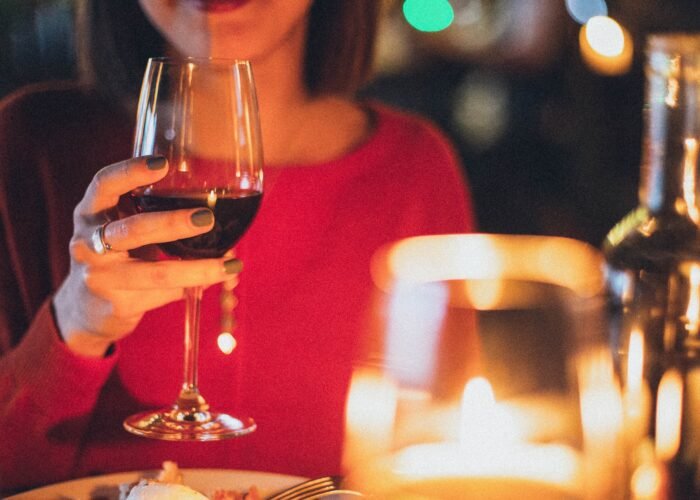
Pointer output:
543, 99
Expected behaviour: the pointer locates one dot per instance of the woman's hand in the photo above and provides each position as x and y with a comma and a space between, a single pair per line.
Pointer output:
107, 292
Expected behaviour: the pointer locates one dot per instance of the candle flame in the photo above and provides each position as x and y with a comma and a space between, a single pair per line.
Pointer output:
211, 199
478, 405
668, 415
483, 424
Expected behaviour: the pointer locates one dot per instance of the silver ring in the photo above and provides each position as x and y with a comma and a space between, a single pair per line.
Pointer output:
99, 244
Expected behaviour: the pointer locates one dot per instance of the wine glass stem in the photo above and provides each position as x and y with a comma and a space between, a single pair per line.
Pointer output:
189, 398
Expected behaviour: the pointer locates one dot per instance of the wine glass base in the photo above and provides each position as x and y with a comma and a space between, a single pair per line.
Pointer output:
174, 425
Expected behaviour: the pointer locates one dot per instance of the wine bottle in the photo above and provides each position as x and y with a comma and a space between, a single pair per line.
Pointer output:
650, 256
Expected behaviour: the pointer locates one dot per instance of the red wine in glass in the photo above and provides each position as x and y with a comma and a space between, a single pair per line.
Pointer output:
233, 213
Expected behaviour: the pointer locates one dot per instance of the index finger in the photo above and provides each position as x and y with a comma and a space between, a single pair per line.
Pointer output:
114, 180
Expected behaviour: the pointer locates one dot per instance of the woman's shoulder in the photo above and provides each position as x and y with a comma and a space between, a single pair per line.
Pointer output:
44, 97
59, 129
55, 104
36, 108
410, 138
411, 135
61, 117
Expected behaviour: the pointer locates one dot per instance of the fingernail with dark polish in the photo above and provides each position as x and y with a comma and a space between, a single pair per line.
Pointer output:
233, 266
156, 163
202, 217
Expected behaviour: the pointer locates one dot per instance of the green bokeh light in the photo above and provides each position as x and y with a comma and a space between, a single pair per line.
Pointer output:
428, 15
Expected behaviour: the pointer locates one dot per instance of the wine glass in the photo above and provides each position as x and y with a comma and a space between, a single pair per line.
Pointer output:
201, 114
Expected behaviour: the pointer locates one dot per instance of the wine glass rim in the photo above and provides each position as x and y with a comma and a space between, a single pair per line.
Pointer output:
215, 61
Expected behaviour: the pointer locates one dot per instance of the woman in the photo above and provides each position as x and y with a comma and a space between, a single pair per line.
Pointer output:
89, 337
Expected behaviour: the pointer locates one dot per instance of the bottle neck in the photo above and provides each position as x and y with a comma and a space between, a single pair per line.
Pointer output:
669, 176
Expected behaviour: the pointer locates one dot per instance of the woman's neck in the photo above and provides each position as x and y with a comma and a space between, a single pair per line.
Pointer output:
299, 129
283, 102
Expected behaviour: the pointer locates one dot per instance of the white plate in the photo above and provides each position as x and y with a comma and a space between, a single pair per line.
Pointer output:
204, 480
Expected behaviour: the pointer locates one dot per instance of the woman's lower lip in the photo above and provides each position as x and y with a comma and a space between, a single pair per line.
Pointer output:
218, 5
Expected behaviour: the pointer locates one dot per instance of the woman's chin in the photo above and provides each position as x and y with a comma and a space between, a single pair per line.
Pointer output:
217, 5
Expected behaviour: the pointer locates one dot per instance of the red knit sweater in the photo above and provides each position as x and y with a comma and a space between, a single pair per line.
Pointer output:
303, 297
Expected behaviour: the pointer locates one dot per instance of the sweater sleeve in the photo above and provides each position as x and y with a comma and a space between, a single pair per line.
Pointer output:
48, 394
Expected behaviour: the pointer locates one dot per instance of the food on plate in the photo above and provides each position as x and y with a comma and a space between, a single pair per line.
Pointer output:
169, 486
152, 490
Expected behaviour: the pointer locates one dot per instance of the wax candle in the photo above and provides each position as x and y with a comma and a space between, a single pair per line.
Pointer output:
489, 460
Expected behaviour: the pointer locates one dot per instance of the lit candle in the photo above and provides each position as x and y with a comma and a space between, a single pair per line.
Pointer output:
488, 461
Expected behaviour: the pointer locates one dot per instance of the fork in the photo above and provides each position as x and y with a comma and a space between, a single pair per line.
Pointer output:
312, 489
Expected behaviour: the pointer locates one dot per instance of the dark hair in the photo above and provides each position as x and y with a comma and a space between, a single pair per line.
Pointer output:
340, 44
115, 39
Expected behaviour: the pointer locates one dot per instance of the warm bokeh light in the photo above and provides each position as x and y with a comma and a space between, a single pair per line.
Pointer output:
481, 109
635, 361
601, 402
690, 161
226, 342
601, 419
646, 482
368, 390
606, 46
370, 414
605, 36
692, 313
428, 15
669, 410
637, 395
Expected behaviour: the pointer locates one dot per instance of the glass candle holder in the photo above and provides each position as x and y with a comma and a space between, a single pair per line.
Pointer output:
486, 374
